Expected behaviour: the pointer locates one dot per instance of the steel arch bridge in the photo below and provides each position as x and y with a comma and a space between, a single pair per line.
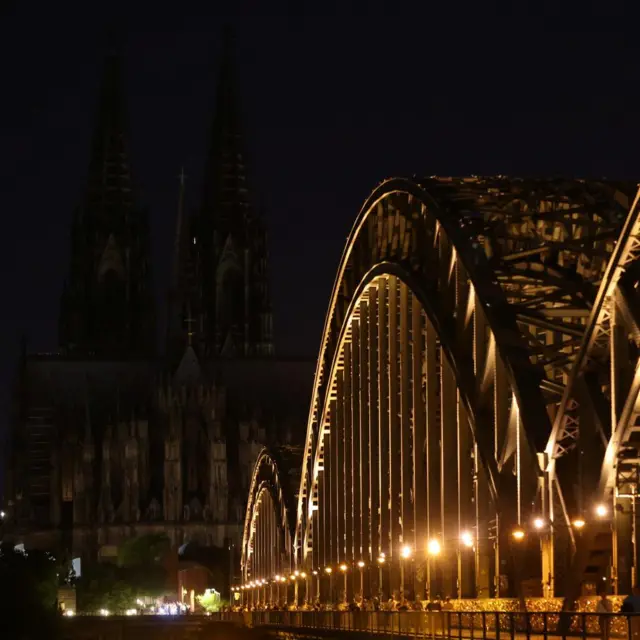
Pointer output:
477, 396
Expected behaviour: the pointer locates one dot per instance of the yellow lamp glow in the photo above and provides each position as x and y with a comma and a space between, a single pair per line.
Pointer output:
518, 534
433, 547
466, 537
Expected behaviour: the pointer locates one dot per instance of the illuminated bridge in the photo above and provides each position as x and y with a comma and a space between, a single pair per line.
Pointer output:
474, 428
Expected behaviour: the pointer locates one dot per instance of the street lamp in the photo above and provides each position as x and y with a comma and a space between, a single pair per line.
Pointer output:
518, 534
466, 537
578, 523
601, 510
538, 523
433, 547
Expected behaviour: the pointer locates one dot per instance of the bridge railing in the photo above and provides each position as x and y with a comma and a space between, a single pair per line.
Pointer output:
480, 625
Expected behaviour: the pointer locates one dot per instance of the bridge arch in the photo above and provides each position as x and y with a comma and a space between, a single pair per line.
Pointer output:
487, 276
478, 330
268, 526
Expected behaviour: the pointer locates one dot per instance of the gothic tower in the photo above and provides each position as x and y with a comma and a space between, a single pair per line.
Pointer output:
225, 304
107, 302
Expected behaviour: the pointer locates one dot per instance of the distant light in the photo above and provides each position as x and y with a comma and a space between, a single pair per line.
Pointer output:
69, 613
131, 612
2, 515
433, 547
381, 558
328, 569
518, 534
361, 564
296, 573
578, 523
538, 523
303, 575
278, 578
315, 573
292, 577
343, 567
105, 612
466, 537
601, 510
406, 551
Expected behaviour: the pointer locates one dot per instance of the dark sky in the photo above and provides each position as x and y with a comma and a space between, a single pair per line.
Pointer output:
336, 98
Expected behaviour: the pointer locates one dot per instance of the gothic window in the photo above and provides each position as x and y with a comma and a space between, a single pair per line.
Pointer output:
153, 511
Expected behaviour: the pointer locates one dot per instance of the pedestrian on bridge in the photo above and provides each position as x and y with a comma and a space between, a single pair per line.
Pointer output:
604, 608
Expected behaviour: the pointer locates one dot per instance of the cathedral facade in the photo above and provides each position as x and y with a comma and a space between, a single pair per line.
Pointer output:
112, 439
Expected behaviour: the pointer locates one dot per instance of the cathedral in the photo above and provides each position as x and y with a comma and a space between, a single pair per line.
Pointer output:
113, 437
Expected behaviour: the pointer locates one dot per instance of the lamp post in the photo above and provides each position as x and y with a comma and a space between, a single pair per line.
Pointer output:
329, 572
361, 567
343, 568
405, 554
434, 548
380, 560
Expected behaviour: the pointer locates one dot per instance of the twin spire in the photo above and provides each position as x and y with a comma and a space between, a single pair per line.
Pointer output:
213, 301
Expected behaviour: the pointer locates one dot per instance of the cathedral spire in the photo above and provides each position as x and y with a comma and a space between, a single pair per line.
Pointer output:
180, 328
235, 314
181, 240
107, 302
109, 185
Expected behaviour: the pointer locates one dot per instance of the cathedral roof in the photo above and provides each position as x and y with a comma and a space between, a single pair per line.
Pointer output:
188, 371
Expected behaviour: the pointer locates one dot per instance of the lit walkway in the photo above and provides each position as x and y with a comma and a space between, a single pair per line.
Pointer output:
449, 624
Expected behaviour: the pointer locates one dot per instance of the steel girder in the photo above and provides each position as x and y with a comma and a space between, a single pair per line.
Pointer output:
267, 535
533, 253
519, 285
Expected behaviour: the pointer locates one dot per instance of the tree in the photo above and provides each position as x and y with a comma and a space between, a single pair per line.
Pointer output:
139, 572
30, 592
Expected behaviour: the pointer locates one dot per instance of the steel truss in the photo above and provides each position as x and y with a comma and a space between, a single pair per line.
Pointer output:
267, 539
478, 331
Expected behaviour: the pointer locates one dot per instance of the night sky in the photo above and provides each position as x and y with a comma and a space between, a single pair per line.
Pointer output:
334, 100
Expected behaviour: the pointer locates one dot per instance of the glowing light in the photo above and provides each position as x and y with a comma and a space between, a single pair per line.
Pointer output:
518, 534
406, 551
278, 578
296, 573
578, 523
466, 537
361, 564
105, 612
2, 515
303, 575
538, 523
315, 573
601, 510
433, 547
131, 612
292, 577
328, 570
69, 613
343, 567
381, 559
140, 603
